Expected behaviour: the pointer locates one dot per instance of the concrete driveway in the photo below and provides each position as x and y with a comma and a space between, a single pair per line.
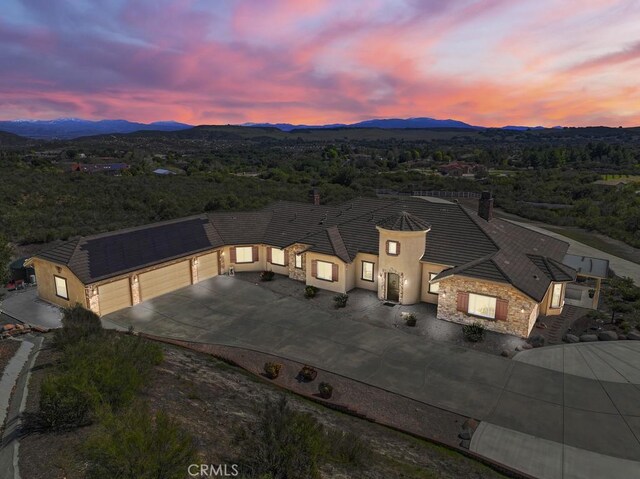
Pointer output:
543, 420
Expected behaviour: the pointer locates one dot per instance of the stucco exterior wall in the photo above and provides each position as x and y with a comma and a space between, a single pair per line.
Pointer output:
339, 286
276, 268
45, 272
406, 264
260, 265
427, 268
357, 272
545, 304
522, 310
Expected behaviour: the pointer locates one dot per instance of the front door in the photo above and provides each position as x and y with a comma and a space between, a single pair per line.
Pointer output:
393, 287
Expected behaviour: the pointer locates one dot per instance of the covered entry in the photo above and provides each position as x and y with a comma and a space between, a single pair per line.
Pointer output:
114, 296
393, 287
164, 280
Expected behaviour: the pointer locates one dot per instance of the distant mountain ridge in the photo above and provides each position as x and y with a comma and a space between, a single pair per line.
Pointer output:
69, 128
387, 123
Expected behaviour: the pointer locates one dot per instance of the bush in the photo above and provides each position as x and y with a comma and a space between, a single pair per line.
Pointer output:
78, 323
310, 291
272, 370
141, 445
473, 332
285, 443
410, 319
267, 275
325, 390
340, 300
66, 402
536, 341
307, 373
348, 448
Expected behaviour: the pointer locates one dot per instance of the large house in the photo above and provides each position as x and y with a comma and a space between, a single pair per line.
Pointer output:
473, 266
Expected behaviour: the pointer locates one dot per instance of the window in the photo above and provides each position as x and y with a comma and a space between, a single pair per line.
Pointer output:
367, 271
244, 254
434, 288
393, 248
277, 256
556, 296
61, 287
324, 271
299, 261
483, 306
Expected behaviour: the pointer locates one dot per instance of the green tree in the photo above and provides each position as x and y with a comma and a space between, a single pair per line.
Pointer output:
6, 252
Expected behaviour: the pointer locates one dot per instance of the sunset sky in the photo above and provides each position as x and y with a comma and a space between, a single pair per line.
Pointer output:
491, 62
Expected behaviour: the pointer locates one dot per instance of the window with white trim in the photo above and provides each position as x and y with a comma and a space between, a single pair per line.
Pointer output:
299, 261
434, 288
556, 295
483, 306
244, 254
392, 247
324, 271
367, 271
61, 287
277, 256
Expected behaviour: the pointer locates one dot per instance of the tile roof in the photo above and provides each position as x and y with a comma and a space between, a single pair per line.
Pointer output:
468, 245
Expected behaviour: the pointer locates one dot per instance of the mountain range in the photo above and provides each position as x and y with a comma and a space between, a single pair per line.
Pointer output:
69, 128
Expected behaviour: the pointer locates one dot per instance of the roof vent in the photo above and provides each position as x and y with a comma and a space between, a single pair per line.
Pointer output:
536, 277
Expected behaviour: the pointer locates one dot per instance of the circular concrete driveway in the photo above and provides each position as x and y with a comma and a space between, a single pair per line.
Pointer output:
543, 420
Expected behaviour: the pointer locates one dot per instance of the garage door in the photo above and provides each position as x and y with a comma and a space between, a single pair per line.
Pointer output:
164, 280
114, 296
207, 266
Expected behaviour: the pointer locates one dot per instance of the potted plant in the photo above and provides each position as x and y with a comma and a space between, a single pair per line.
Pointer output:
592, 293
307, 373
340, 300
310, 292
267, 275
410, 319
325, 390
272, 370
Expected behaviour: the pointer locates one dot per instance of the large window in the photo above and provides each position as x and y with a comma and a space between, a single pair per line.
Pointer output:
61, 287
556, 295
434, 288
367, 271
277, 256
483, 306
325, 271
393, 248
244, 254
299, 261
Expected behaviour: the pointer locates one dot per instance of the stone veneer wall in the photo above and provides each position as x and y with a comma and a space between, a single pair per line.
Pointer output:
518, 322
296, 273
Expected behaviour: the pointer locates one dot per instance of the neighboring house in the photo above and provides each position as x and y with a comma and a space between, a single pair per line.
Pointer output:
474, 267
104, 168
163, 172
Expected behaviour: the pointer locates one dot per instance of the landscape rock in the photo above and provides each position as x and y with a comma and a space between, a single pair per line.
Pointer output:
634, 335
8, 327
571, 338
519, 348
505, 353
587, 338
608, 336
528, 346
465, 444
470, 424
465, 434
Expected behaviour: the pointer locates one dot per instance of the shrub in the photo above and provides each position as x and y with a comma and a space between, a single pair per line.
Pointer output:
66, 401
78, 323
310, 291
348, 448
340, 300
307, 373
285, 443
536, 341
325, 390
141, 445
473, 332
410, 319
272, 370
267, 275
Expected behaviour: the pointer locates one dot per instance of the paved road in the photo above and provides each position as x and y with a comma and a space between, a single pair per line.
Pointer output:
553, 410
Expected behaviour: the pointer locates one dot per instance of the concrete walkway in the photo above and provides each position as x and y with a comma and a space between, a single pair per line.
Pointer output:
552, 407
620, 266
26, 307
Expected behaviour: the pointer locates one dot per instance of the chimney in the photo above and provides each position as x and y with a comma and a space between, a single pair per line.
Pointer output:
485, 206
314, 194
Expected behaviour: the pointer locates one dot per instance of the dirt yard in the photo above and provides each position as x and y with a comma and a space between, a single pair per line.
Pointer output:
218, 403
8, 348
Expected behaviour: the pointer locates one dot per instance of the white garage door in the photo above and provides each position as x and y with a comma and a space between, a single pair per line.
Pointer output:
114, 296
207, 266
164, 280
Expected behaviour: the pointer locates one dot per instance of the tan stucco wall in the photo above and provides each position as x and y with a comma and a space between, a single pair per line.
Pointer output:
407, 264
260, 265
545, 304
356, 269
522, 310
339, 286
278, 269
45, 272
427, 268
